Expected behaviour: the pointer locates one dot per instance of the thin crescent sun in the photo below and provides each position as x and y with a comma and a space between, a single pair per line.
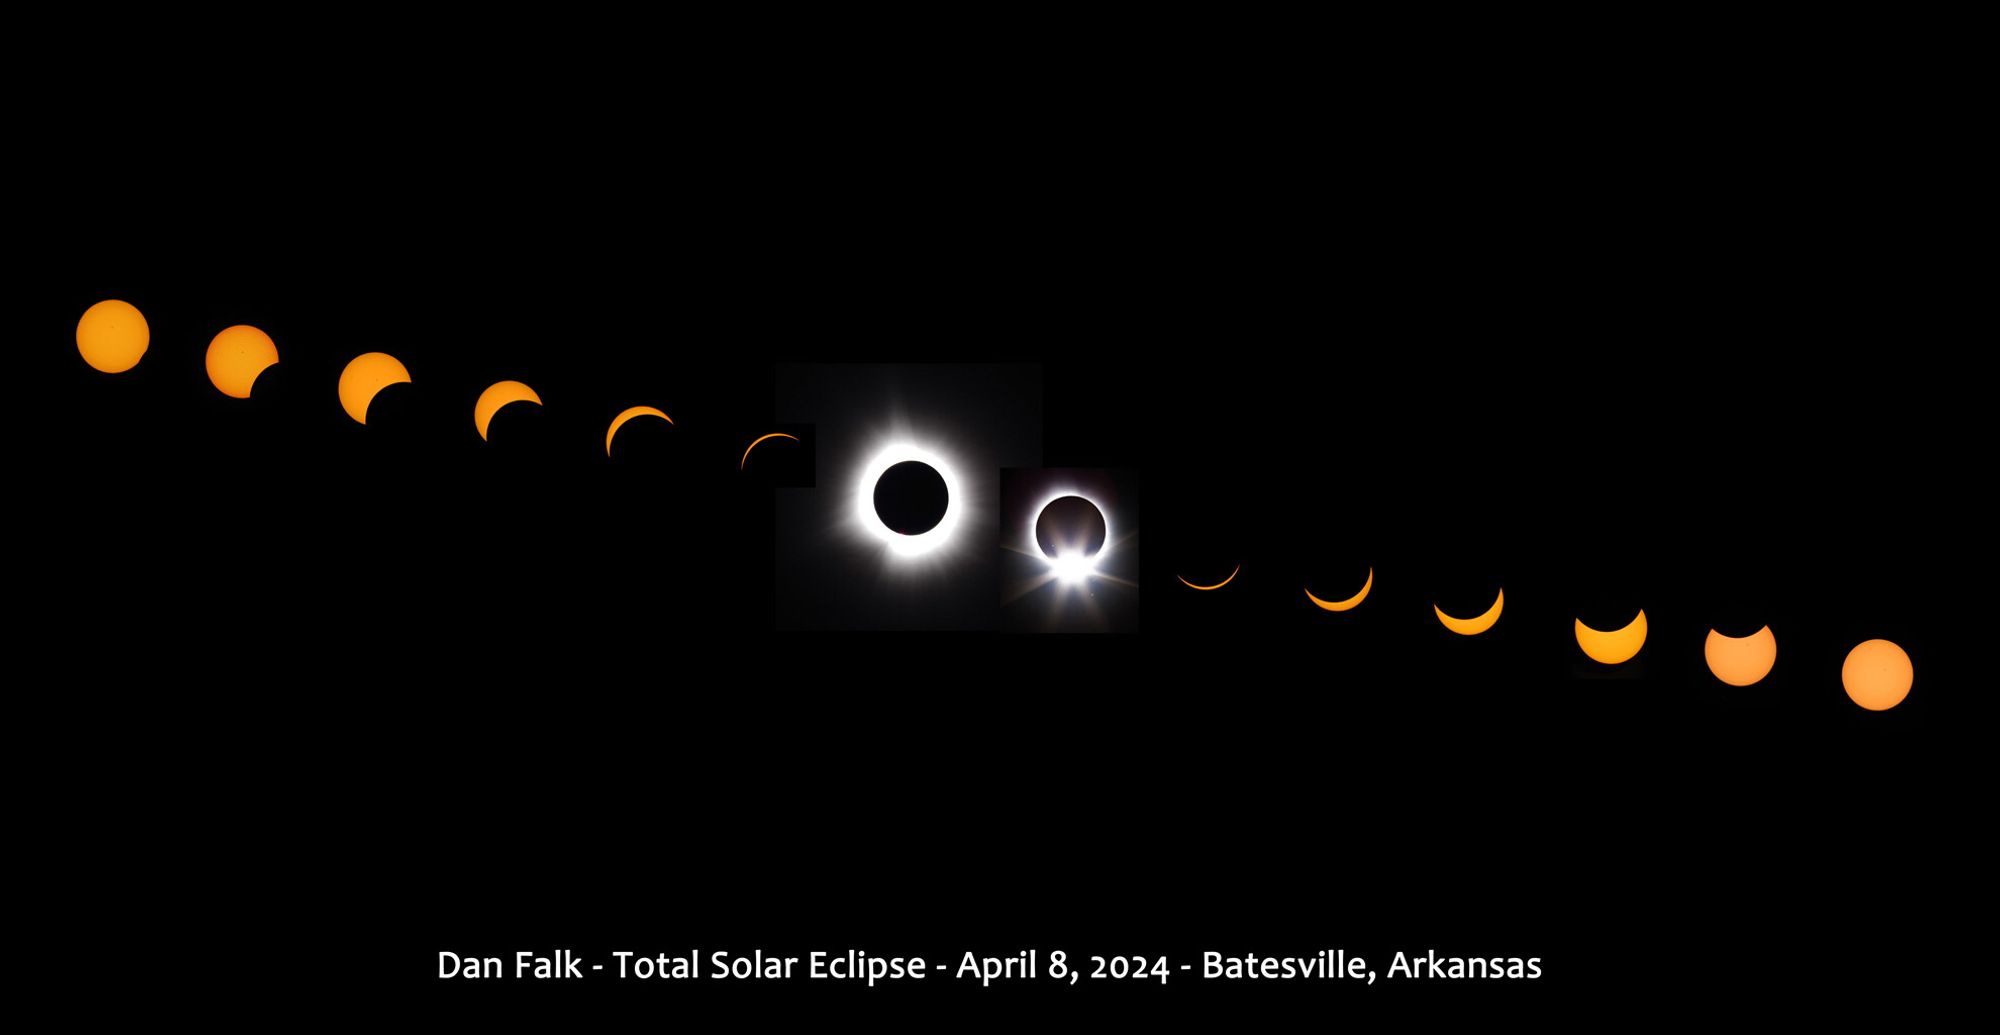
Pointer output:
631, 412
753, 445
1615, 647
1351, 602
1473, 626
1219, 585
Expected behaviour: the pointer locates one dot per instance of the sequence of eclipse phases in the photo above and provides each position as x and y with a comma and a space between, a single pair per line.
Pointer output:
909, 501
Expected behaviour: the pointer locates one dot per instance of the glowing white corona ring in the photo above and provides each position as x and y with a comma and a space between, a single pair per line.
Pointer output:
1072, 567
898, 543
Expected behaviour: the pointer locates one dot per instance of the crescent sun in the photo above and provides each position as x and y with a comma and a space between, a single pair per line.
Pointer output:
1615, 647
619, 421
1219, 585
760, 438
496, 395
364, 376
1351, 602
1473, 626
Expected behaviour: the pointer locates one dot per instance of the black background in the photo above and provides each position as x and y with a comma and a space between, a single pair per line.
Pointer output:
327, 699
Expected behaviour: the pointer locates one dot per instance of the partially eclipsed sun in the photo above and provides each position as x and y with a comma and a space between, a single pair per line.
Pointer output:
1351, 602
1474, 626
635, 411
1219, 585
496, 395
1615, 647
1741, 660
235, 358
364, 376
